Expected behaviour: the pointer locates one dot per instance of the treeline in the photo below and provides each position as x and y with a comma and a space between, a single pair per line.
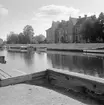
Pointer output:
25, 37
92, 29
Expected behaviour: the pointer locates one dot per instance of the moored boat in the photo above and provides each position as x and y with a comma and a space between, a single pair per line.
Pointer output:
13, 49
23, 49
101, 51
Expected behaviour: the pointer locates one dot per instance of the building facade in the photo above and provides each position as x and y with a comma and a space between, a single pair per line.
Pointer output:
64, 31
50, 33
77, 35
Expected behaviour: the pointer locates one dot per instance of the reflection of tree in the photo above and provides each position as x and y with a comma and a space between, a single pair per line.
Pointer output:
81, 64
28, 57
40, 54
14, 55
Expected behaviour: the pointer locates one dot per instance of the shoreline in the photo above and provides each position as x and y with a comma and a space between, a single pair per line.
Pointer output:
70, 47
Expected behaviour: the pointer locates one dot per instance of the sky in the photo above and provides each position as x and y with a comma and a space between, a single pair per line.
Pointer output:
16, 14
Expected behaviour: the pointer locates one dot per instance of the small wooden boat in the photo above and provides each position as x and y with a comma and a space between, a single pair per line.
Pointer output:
101, 51
23, 49
13, 49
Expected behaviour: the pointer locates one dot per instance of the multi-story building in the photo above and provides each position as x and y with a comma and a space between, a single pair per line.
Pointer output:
77, 34
64, 31
50, 33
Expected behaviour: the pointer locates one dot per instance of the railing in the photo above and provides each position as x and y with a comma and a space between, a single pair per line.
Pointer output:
4, 74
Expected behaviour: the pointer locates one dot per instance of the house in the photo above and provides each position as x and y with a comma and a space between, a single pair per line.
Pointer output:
77, 35
64, 31
50, 33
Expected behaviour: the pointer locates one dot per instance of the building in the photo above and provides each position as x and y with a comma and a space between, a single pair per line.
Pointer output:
50, 33
77, 35
64, 31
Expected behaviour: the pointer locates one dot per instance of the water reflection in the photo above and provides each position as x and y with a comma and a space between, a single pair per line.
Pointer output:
28, 57
26, 62
81, 64
38, 61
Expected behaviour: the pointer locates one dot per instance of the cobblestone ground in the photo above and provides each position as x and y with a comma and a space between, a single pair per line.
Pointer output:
23, 94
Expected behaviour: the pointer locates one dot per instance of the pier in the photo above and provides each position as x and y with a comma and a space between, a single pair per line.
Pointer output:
91, 86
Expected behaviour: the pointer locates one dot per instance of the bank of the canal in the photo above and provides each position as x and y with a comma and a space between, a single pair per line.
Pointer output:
77, 47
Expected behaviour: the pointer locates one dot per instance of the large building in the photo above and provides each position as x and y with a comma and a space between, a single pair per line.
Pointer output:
77, 34
50, 33
64, 31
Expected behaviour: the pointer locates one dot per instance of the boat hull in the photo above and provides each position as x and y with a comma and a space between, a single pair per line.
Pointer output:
21, 49
94, 51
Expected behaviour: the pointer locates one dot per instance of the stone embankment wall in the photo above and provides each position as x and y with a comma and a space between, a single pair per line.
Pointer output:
76, 82
69, 46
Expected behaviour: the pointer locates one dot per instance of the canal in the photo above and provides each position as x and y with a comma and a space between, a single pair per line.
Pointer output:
26, 63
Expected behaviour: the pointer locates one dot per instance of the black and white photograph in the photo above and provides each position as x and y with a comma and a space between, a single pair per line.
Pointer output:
51, 52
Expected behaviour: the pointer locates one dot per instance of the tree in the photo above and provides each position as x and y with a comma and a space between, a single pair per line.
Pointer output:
28, 32
100, 25
39, 38
12, 38
21, 38
88, 29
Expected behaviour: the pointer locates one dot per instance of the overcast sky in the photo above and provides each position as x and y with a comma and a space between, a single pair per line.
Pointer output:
15, 14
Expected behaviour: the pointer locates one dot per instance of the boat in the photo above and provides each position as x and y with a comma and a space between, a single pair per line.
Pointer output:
13, 49
41, 49
97, 50
23, 49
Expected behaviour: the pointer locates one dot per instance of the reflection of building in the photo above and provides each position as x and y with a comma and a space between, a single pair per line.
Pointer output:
61, 61
80, 64
28, 57
50, 33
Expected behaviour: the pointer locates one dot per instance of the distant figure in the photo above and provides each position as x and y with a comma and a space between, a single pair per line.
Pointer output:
2, 59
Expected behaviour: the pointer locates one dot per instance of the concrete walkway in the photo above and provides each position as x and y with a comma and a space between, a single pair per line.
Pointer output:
23, 94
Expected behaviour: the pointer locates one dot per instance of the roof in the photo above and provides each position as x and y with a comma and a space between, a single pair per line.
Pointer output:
48, 29
74, 20
80, 21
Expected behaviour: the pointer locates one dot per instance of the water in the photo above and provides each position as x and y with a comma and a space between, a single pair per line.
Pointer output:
21, 63
25, 63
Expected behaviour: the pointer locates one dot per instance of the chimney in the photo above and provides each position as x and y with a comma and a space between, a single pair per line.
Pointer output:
79, 17
85, 16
